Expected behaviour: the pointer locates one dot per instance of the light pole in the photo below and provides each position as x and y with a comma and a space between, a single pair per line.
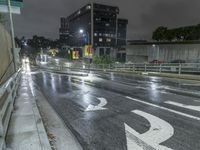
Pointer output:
12, 33
92, 22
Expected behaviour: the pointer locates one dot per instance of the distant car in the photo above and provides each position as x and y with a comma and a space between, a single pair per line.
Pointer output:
157, 62
178, 61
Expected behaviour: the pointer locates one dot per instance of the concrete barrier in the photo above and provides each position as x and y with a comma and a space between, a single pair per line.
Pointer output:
7, 96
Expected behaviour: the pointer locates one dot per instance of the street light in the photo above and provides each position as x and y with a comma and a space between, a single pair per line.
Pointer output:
81, 31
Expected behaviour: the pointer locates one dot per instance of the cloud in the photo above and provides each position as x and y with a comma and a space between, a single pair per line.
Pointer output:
42, 17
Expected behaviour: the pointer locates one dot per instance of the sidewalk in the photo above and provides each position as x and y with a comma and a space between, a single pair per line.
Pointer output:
26, 130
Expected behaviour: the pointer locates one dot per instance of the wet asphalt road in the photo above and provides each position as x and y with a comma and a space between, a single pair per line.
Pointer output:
128, 100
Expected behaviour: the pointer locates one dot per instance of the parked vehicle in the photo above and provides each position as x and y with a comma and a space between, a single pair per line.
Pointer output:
178, 61
157, 62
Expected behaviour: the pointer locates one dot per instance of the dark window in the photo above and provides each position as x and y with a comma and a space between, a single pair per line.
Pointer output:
107, 51
101, 51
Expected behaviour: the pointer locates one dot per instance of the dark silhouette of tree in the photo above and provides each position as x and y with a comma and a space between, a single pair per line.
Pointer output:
160, 34
189, 33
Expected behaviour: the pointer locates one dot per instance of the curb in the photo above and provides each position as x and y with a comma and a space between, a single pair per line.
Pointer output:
66, 73
44, 141
61, 120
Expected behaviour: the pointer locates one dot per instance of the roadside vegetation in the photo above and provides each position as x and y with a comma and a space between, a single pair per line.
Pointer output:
102, 60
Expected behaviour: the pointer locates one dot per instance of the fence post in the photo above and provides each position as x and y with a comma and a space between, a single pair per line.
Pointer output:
160, 68
179, 70
145, 67
133, 67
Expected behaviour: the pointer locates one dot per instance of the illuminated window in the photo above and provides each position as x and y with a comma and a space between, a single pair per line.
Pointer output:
100, 40
88, 7
108, 40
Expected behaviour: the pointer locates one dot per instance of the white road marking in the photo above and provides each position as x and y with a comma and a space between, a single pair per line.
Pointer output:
180, 91
197, 101
159, 132
164, 108
191, 84
196, 108
100, 106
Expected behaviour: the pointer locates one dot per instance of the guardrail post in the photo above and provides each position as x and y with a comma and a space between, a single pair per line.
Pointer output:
179, 70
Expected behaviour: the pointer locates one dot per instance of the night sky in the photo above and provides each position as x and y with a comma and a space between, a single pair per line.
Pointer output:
42, 17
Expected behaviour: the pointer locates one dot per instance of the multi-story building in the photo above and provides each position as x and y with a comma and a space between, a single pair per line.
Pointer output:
97, 25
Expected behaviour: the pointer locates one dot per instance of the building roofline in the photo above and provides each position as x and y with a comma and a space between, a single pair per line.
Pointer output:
75, 12
161, 43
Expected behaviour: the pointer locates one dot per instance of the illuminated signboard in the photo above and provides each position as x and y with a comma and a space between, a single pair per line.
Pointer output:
75, 55
88, 51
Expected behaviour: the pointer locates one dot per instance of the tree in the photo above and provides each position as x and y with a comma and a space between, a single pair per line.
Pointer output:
170, 35
160, 34
39, 42
188, 33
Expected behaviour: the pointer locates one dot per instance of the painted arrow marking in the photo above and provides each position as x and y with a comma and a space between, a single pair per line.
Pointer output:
100, 106
196, 108
159, 132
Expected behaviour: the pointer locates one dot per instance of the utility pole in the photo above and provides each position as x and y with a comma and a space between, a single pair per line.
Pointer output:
12, 34
92, 22
92, 27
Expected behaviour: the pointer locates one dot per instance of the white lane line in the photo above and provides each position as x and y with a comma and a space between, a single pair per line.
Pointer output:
180, 91
159, 132
196, 108
100, 106
164, 108
197, 101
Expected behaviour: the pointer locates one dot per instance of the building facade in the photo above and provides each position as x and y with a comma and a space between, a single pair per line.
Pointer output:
146, 52
97, 25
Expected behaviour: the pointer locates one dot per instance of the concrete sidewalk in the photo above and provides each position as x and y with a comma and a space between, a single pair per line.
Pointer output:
26, 130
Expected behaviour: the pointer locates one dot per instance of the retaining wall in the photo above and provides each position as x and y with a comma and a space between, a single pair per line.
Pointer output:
6, 63
163, 52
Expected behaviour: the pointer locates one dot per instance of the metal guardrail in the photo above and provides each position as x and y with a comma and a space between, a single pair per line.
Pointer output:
7, 96
184, 68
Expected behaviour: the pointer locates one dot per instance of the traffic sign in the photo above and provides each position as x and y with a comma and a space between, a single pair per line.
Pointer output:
15, 6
